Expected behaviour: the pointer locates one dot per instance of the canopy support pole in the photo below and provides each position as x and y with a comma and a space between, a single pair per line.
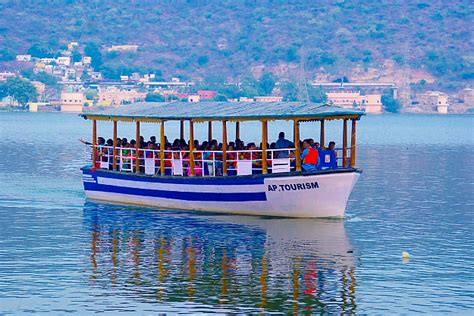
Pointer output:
162, 148
296, 128
321, 136
353, 144
209, 131
115, 147
191, 148
224, 148
137, 148
181, 129
344, 143
94, 143
264, 147
237, 130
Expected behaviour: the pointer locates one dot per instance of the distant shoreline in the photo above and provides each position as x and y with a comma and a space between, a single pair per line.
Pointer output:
406, 111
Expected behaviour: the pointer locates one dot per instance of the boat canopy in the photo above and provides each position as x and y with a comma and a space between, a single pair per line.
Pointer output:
223, 111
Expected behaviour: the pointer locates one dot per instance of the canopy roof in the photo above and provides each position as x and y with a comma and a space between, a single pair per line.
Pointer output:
219, 111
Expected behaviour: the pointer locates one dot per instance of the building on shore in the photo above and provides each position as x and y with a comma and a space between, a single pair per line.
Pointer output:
366, 87
270, 98
371, 103
245, 99
194, 98
72, 101
114, 96
433, 101
207, 94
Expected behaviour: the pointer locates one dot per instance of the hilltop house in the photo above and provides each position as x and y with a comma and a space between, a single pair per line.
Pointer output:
23, 58
123, 48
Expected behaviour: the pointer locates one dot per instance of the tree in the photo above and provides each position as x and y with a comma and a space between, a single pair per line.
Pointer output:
220, 97
21, 90
154, 97
40, 51
45, 78
3, 90
391, 105
231, 91
76, 56
92, 50
289, 90
203, 60
266, 83
6, 55
248, 87
317, 94
91, 94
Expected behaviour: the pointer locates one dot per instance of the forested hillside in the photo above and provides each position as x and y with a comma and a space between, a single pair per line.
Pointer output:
230, 38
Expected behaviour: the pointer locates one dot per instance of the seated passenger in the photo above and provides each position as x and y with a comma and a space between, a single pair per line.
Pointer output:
283, 143
309, 157
333, 153
231, 160
328, 157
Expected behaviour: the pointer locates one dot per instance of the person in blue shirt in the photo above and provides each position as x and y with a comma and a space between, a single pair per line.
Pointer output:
283, 143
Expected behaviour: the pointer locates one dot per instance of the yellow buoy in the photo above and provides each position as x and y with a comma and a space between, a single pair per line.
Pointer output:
405, 255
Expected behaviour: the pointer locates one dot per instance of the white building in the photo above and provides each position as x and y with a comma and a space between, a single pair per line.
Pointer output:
371, 103
63, 61
72, 101
23, 57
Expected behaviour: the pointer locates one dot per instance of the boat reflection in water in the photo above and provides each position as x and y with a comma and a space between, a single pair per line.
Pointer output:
215, 263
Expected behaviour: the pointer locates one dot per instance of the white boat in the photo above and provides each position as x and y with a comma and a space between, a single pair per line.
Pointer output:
252, 182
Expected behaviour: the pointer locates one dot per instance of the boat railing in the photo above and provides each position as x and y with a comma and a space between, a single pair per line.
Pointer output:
206, 162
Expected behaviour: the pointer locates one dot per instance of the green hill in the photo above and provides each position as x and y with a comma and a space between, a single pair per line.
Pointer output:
229, 37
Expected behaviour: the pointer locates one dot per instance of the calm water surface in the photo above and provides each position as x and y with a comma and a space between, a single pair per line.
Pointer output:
60, 254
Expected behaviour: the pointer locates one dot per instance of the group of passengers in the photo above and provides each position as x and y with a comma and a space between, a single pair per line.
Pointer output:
208, 154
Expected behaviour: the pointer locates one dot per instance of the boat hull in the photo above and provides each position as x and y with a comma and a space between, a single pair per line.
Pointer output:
323, 194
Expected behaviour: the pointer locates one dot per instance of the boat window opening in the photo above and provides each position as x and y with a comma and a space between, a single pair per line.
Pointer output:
207, 162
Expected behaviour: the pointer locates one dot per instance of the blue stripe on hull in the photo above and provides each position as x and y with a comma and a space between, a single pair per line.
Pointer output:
176, 195
174, 180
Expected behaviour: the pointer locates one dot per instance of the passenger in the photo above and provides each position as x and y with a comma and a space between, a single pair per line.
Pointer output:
149, 152
333, 154
309, 157
153, 140
231, 160
168, 159
256, 157
283, 143
239, 144
208, 156
204, 146
176, 144
124, 155
109, 152
197, 159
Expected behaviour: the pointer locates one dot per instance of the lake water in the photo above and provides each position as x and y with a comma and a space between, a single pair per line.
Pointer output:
60, 254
